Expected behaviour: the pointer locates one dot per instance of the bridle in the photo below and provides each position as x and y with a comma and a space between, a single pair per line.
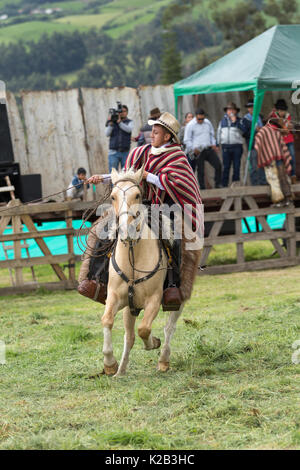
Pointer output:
132, 282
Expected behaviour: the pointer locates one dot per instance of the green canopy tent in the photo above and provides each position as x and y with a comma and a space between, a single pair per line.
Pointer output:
269, 62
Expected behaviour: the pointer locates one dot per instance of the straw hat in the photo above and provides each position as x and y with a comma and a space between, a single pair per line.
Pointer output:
169, 122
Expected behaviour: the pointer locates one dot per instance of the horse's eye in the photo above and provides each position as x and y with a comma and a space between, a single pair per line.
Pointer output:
113, 198
137, 196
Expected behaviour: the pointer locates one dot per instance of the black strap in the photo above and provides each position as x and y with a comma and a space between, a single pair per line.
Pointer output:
131, 283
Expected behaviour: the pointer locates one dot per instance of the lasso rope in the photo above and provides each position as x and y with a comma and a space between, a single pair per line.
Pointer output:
85, 217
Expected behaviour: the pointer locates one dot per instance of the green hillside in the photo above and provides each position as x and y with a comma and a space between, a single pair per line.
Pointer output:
56, 44
117, 17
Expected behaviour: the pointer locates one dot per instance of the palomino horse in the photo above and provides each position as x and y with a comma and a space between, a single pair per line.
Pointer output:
144, 283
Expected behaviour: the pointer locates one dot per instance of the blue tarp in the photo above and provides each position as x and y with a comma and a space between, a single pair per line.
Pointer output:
57, 245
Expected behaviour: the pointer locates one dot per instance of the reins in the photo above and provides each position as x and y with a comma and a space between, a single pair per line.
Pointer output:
149, 274
133, 282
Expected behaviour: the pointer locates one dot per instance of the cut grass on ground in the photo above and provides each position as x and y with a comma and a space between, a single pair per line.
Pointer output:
232, 384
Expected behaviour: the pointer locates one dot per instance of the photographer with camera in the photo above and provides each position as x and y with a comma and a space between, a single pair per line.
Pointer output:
118, 129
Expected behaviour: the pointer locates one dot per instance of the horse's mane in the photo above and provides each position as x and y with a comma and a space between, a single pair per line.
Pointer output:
125, 175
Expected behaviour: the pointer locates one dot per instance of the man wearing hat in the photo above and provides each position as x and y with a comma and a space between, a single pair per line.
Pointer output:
170, 180
144, 136
230, 137
257, 175
281, 114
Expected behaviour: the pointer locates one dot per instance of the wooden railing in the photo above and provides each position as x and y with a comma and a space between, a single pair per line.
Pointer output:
18, 215
233, 208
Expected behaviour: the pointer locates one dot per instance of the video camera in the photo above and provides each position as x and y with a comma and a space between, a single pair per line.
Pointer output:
114, 113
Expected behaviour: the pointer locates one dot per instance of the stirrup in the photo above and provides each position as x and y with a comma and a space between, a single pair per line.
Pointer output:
93, 290
171, 300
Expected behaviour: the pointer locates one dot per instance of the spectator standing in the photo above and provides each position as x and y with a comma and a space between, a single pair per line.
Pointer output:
230, 137
274, 156
119, 134
200, 145
257, 175
187, 118
280, 111
144, 136
78, 180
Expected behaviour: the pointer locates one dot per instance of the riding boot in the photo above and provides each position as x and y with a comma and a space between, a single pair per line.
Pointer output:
171, 296
95, 286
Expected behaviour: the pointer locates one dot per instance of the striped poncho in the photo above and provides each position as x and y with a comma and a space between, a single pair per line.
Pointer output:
175, 175
270, 146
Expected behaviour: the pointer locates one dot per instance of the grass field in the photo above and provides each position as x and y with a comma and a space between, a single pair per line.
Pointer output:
232, 384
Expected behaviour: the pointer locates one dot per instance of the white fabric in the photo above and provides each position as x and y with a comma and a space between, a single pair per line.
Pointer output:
154, 179
198, 136
160, 150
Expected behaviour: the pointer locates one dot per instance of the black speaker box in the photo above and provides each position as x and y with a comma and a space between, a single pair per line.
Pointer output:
6, 150
10, 169
28, 187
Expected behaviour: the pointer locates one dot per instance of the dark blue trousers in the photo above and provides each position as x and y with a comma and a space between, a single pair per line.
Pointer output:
232, 154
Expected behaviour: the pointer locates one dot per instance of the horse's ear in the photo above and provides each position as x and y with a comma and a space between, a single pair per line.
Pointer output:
139, 174
114, 175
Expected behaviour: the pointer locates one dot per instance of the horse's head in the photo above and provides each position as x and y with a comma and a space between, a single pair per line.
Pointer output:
126, 199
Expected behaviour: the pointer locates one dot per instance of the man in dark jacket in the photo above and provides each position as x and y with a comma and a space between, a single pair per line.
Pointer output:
119, 133
230, 137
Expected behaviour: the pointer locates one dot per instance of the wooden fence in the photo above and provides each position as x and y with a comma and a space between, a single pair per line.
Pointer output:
18, 215
237, 204
221, 205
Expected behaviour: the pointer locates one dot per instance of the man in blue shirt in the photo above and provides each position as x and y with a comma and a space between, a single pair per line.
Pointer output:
200, 146
119, 133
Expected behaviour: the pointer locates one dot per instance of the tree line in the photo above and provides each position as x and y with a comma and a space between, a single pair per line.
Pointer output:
150, 55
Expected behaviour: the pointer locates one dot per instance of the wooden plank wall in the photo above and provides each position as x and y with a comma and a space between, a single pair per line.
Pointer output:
53, 133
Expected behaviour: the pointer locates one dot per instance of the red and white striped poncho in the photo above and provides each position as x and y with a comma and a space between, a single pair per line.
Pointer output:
175, 174
270, 146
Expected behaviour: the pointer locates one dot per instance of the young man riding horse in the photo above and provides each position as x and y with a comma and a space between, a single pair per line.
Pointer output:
166, 178
166, 168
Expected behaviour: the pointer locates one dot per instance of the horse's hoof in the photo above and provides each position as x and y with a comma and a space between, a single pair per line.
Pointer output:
119, 374
163, 366
111, 370
156, 342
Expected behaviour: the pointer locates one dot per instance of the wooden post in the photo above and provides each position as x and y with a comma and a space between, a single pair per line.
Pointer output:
11, 191
17, 226
238, 231
70, 239
291, 229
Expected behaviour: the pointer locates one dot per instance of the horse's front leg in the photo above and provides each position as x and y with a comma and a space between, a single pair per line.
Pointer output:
129, 323
111, 308
144, 330
169, 330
